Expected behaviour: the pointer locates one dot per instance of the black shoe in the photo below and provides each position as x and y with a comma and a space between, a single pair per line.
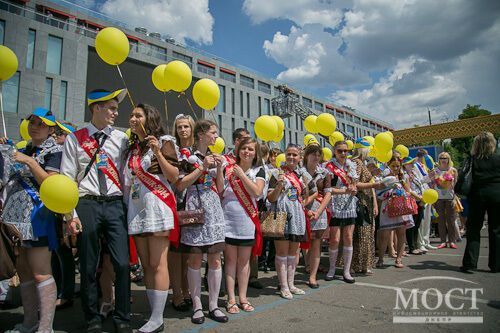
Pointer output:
255, 284
158, 330
188, 301
466, 270
313, 285
182, 307
220, 319
346, 280
329, 278
67, 304
199, 320
122, 327
94, 327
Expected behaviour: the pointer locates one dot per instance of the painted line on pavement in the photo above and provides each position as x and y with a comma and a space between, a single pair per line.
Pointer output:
448, 255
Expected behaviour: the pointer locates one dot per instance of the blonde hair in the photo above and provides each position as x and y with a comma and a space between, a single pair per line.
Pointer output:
191, 124
484, 145
445, 154
361, 153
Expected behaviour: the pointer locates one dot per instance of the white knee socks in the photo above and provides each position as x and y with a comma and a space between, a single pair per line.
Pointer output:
194, 281
347, 254
333, 262
290, 271
47, 294
281, 270
29, 297
157, 300
214, 278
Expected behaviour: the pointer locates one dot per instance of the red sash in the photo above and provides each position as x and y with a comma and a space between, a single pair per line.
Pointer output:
294, 180
339, 173
230, 158
159, 189
247, 204
90, 145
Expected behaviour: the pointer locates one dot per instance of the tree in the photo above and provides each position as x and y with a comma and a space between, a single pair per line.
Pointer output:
459, 148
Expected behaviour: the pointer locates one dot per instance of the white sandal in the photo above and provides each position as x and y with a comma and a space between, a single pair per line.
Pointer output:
286, 294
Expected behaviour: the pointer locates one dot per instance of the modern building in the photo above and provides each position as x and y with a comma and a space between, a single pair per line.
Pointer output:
58, 65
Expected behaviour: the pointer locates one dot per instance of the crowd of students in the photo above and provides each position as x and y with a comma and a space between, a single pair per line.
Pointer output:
183, 204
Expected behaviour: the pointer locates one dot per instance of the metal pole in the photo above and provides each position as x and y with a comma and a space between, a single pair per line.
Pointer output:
429, 112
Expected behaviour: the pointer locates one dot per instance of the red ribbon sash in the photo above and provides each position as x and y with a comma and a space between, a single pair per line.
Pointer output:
159, 189
230, 158
89, 145
246, 202
339, 173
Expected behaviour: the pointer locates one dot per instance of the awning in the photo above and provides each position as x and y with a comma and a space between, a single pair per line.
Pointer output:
60, 12
206, 63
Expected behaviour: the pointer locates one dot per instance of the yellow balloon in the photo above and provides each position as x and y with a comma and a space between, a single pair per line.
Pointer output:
23, 130
383, 142
8, 63
350, 144
309, 138
178, 75
370, 139
280, 123
430, 196
383, 156
280, 160
128, 132
336, 136
390, 133
310, 124
112, 45
279, 137
21, 144
218, 146
59, 194
403, 150
372, 152
158, 78
326, 124
206, 94
266, 128
327, 153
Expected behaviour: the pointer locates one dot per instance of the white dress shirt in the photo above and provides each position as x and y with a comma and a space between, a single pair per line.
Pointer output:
75, 161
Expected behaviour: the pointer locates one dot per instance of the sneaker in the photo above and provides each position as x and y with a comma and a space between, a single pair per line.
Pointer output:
19, 328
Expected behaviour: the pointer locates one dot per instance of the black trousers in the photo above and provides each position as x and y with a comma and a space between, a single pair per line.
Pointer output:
63, 270
477, 208
412, 233
108, 220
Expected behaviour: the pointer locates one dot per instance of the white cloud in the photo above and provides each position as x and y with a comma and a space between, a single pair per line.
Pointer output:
324, 12
179, 19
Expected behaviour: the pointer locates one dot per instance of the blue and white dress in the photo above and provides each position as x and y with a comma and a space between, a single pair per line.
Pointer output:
343, 206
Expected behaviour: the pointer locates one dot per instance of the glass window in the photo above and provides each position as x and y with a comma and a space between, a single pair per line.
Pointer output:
307, 102
221, 107
340, 115
252, 131
245, 124
233, 125
259, 102
2, 31
232, 102
159, 52
318, 106
63, 92
267, 106
30, 57
54, 55
227, 76
350, 130
133, 45
264, 87
48, 93
182, 57
246, 81
248, 105
357, 120
10, 90
365, 123
241, 103
206, 69
220, 124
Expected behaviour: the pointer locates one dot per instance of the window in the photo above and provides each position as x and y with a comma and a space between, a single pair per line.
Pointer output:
259, 102
296, 138
2, 31
233, 125
227, 75
133, 45
297, 121
63, 92
290, 137
159, 52
30, 56
54, 55
221, 107
349, 117
267, 106
245, 124
182, 57
232, 102
357, 120
246, 81
11, 93
318, 106
307, 102
264, 87
252, 131
340, 115
202, 68
350, 130
248, 105
365, 123
48, 93
220, 124
241, 103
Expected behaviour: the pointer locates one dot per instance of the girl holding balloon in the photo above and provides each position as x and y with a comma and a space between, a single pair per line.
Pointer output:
152, 218
23, 208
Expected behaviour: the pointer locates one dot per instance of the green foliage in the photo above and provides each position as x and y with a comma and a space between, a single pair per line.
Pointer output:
459, 148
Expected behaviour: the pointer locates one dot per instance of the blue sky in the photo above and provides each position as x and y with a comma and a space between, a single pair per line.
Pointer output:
390, 59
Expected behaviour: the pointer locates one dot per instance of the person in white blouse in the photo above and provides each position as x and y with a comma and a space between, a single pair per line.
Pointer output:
93, 157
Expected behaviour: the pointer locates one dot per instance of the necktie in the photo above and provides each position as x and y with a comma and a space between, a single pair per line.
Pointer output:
101, 177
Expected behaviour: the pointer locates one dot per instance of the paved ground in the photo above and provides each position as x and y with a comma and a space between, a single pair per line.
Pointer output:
366, 306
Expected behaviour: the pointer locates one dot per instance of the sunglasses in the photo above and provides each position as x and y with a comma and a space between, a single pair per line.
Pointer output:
444, 158
342, 151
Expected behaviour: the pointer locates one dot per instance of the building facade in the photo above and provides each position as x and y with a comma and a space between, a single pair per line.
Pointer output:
58, 65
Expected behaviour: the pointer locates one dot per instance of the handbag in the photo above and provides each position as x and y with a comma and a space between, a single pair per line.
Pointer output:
192, 218
10, 241
464, 181
273, 223
362, 215
401, 205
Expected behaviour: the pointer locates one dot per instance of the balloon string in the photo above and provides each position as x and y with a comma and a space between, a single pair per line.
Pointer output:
125, 84
189, 103
165, 104
1, 108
